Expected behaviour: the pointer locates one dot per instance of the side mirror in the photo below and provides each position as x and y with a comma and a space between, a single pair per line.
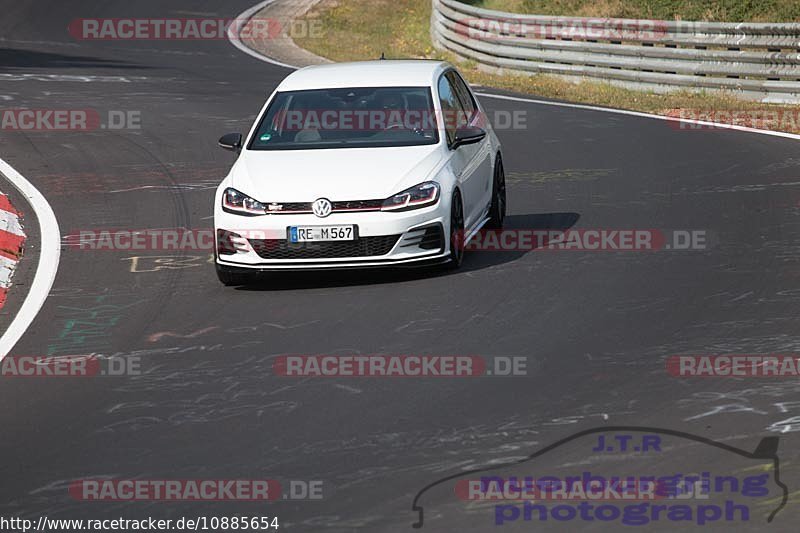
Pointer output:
468, 135
231, 141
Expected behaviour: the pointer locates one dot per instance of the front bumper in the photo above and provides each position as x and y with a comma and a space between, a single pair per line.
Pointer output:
383, 239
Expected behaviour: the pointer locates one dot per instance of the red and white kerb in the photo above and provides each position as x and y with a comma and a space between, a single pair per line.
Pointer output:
11, 240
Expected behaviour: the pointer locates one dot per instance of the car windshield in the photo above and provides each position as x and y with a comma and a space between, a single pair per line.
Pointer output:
347, 118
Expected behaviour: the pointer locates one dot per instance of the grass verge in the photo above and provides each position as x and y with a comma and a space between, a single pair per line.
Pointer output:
363, 29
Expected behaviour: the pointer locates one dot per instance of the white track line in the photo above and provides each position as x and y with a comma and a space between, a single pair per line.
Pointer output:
235, 41
49, 255
642, 115
249, 51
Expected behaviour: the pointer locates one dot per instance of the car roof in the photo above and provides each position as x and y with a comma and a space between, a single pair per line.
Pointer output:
380, 73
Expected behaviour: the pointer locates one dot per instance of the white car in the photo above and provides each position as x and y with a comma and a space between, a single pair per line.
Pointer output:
366, 164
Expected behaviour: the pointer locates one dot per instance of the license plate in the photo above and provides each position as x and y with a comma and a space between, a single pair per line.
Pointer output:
321, 233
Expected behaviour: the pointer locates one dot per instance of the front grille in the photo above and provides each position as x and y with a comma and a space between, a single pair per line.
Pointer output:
357, 204
348, 205
361, 247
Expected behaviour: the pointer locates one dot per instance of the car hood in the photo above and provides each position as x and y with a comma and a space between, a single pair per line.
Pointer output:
337, 174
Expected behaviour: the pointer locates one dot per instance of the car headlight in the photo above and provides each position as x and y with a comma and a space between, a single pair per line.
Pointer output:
234, 201
421, 195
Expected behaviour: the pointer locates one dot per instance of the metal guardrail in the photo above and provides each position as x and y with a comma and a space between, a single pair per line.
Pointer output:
755, 60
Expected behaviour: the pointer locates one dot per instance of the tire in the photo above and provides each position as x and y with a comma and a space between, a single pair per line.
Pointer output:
497, 210
456, 232
231, 277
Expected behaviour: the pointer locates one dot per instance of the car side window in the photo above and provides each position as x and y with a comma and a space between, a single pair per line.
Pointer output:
464, 95
452, 109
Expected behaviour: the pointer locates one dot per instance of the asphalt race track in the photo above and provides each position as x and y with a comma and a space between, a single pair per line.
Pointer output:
596, 327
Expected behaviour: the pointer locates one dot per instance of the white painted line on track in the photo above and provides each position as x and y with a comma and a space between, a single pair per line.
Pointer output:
49, 256
235, 41
585, 107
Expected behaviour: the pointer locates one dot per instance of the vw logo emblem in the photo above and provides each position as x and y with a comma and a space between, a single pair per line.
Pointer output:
321, 207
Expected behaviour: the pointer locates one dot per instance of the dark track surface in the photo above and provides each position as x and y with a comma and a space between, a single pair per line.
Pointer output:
596, 327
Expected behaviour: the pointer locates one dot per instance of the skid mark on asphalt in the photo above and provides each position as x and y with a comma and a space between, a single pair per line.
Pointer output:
203, 186
71, 78
788, 162
573, 174
750, 402
726, 408
186, 178
432, 325
256, 327
155, 337
750, 187
200, 391
131, 405
190, 412
348, 388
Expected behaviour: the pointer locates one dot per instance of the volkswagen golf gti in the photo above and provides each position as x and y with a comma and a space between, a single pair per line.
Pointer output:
352, 165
